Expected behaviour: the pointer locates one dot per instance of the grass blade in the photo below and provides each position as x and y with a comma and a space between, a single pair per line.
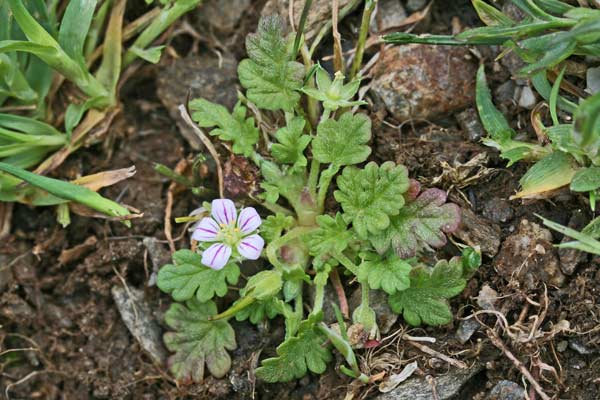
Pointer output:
554, 96
69, 191
74, 27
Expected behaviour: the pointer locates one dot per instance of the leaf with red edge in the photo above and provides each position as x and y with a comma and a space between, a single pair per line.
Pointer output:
421, 223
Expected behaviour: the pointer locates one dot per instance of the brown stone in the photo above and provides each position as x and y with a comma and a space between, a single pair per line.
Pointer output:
424, 82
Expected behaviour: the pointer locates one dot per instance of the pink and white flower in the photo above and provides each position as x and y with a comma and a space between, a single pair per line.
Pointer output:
231, 233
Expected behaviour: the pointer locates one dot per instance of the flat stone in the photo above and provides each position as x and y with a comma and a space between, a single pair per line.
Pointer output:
446, 386
390, 14
424, 82
137, 316
222, 15
506, 390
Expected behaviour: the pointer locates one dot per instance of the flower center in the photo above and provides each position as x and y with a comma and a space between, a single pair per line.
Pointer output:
230, 234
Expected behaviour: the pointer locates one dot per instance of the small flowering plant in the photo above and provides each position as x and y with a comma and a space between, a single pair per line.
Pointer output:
378, 231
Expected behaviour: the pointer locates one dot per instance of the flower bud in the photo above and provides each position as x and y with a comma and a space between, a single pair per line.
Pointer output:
263, 285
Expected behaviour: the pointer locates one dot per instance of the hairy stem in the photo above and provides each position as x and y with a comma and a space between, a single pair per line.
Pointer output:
362, 37
346, 262
319, 297
364, 294
324, 183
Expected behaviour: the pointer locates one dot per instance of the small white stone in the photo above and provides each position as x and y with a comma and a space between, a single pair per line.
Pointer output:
592, 77
527, 98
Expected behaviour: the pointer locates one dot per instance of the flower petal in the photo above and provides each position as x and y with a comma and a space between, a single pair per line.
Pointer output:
216, 256
207, 230
251, 246
223, 210
249, 220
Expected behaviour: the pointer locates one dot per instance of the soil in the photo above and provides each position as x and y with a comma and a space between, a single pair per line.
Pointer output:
58, 313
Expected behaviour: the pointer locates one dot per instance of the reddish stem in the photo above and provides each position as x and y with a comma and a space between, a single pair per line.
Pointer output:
341, 294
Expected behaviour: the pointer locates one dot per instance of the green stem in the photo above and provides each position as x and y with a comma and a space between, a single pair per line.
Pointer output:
324, 183
319, 297
364, 294
278, 243
231, 311
346, 262
298, 304
312, 105
313, 176
362, 37
276, 208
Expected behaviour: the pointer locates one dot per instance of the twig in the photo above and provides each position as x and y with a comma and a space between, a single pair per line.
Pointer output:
179, 168
338, 59
496, 341
431, 352
206, 141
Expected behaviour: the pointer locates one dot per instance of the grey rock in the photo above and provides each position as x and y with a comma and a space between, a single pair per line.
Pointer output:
592, 78
506, 390
579, 347
498, 210
390, 14
505, 92
476, 230
466, 329
415, 5
207, 77
446, 386
137, 316
222, 15
424, 82
470, 124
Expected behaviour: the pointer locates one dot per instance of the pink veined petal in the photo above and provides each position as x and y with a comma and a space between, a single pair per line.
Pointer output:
207, 230
216, 256
223, 210
251, 246
249, 220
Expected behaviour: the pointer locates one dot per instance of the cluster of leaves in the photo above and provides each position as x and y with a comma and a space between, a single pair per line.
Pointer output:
384, 226
36, 50
568, 148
